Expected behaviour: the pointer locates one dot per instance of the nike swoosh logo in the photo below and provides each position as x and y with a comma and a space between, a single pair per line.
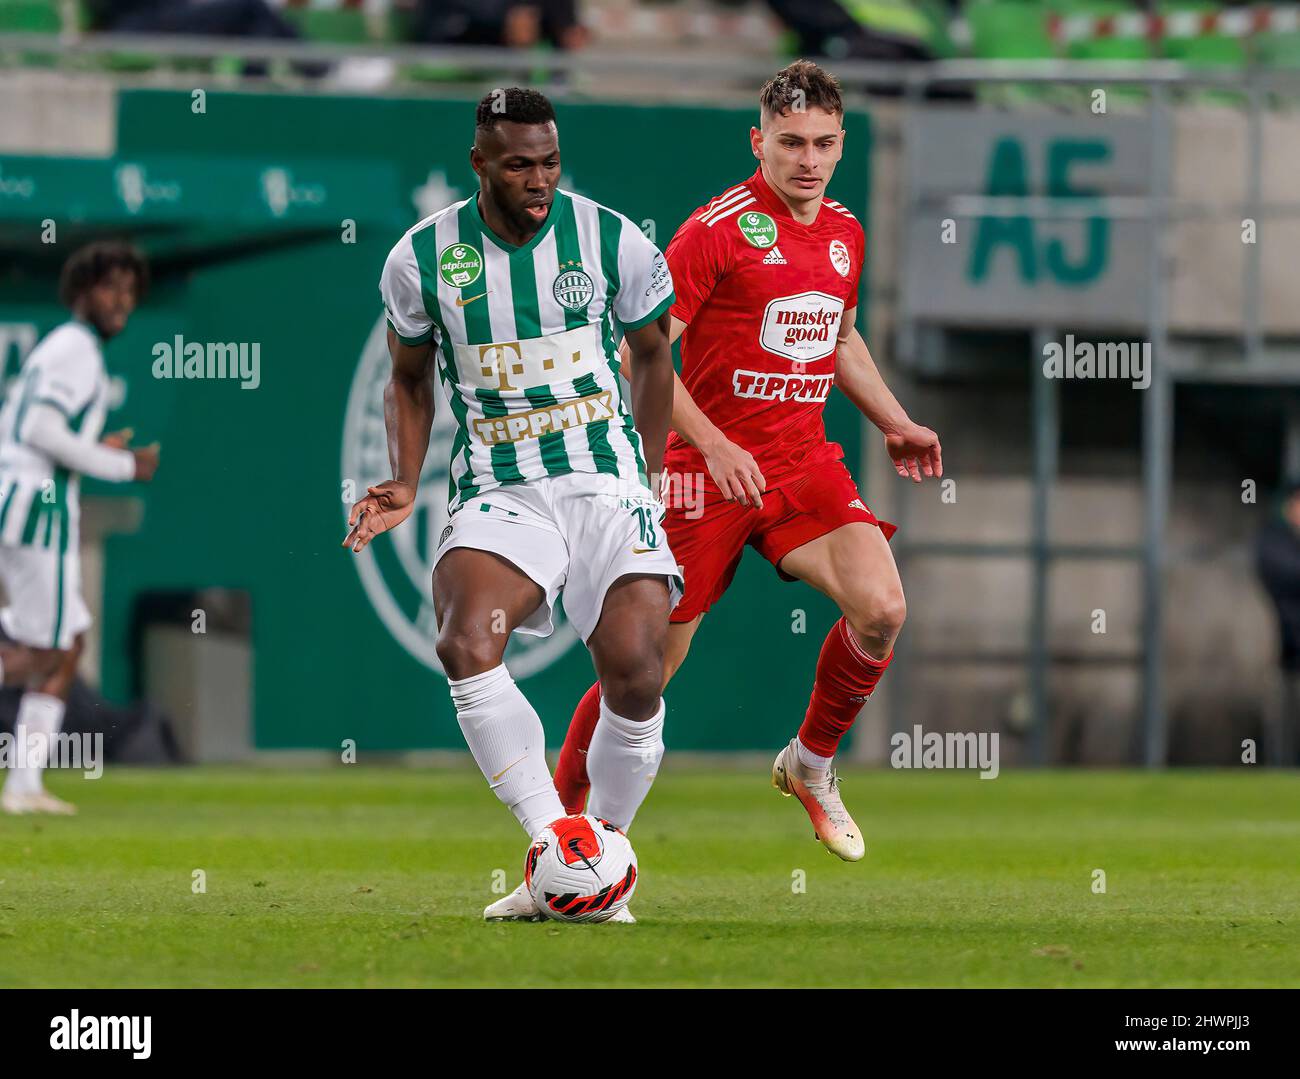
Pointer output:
508, 767
644, 550
462, 302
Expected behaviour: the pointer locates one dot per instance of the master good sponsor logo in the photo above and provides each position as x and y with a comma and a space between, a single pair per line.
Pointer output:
801, 327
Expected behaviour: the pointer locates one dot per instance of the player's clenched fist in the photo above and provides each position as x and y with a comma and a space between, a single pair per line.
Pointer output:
385, 506
146, 462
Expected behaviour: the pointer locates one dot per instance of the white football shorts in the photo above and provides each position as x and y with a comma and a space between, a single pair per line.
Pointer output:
574, 534
45, 607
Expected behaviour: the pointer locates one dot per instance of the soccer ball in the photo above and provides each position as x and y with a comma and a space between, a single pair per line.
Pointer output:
580, 869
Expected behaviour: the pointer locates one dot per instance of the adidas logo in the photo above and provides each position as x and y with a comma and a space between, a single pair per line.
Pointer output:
774, 258
857, 504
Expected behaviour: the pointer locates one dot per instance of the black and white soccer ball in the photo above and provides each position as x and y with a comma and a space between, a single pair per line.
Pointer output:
580, 869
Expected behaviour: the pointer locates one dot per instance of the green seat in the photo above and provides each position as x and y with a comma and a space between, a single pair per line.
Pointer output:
342, 25
30, 17
1008, 30
1111, 48
1214, 50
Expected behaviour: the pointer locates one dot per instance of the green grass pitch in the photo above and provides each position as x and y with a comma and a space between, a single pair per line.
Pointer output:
357, 876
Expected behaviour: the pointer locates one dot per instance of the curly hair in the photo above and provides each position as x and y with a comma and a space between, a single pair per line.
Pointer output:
89, 265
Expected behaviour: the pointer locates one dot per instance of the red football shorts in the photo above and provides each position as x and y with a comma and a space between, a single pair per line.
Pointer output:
708, 545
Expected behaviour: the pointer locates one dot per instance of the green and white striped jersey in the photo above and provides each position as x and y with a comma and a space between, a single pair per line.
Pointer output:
527, 337
39, 498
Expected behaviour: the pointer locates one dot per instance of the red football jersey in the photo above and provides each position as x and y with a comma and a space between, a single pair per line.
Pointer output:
763, 297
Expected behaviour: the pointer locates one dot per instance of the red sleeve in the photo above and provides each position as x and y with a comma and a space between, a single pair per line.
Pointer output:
697, 260
859, 261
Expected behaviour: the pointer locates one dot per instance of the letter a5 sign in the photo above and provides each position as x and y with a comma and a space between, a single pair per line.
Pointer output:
1009, 268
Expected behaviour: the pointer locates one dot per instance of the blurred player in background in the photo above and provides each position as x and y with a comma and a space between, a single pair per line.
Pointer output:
513, 296
766, 277
49, 438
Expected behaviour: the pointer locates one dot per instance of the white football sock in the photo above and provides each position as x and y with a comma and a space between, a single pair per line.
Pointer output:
509, 746
622, 762
812, 760
40, 718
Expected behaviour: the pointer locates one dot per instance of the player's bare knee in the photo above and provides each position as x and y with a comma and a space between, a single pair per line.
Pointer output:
878, 616
465, 653
634, 694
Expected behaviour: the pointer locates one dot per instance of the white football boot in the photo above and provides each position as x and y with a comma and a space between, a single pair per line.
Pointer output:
820, 796
41, 801
518, 906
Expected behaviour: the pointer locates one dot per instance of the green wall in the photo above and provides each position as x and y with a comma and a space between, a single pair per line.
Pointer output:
248, 495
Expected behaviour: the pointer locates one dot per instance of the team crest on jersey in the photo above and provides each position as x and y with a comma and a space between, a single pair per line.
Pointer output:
840, 258
460, 265
573, 289
758, 229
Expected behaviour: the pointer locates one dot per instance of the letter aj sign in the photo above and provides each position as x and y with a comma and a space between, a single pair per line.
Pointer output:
1043, 246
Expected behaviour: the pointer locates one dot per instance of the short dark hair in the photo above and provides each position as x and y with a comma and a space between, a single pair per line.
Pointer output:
802, 84
88, 266
517, 104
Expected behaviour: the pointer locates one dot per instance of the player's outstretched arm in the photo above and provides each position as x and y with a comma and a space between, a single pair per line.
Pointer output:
408, 419
913, 449
732, 467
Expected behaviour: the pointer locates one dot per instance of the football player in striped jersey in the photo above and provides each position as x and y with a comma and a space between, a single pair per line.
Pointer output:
516, 298
50, 429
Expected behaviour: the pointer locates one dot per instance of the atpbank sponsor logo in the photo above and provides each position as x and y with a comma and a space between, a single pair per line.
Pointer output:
802, 327
460, 265
953, 749
396, 568
758, 229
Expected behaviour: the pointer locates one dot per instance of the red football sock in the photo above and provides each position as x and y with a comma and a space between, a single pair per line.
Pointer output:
846, 675
571, 771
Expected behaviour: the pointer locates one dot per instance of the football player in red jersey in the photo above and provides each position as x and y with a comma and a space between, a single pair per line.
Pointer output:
767, 281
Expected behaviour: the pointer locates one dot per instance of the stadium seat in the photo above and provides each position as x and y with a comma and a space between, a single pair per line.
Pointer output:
30, 17
1214, 50
341, 25
1008, 30
1110, 48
